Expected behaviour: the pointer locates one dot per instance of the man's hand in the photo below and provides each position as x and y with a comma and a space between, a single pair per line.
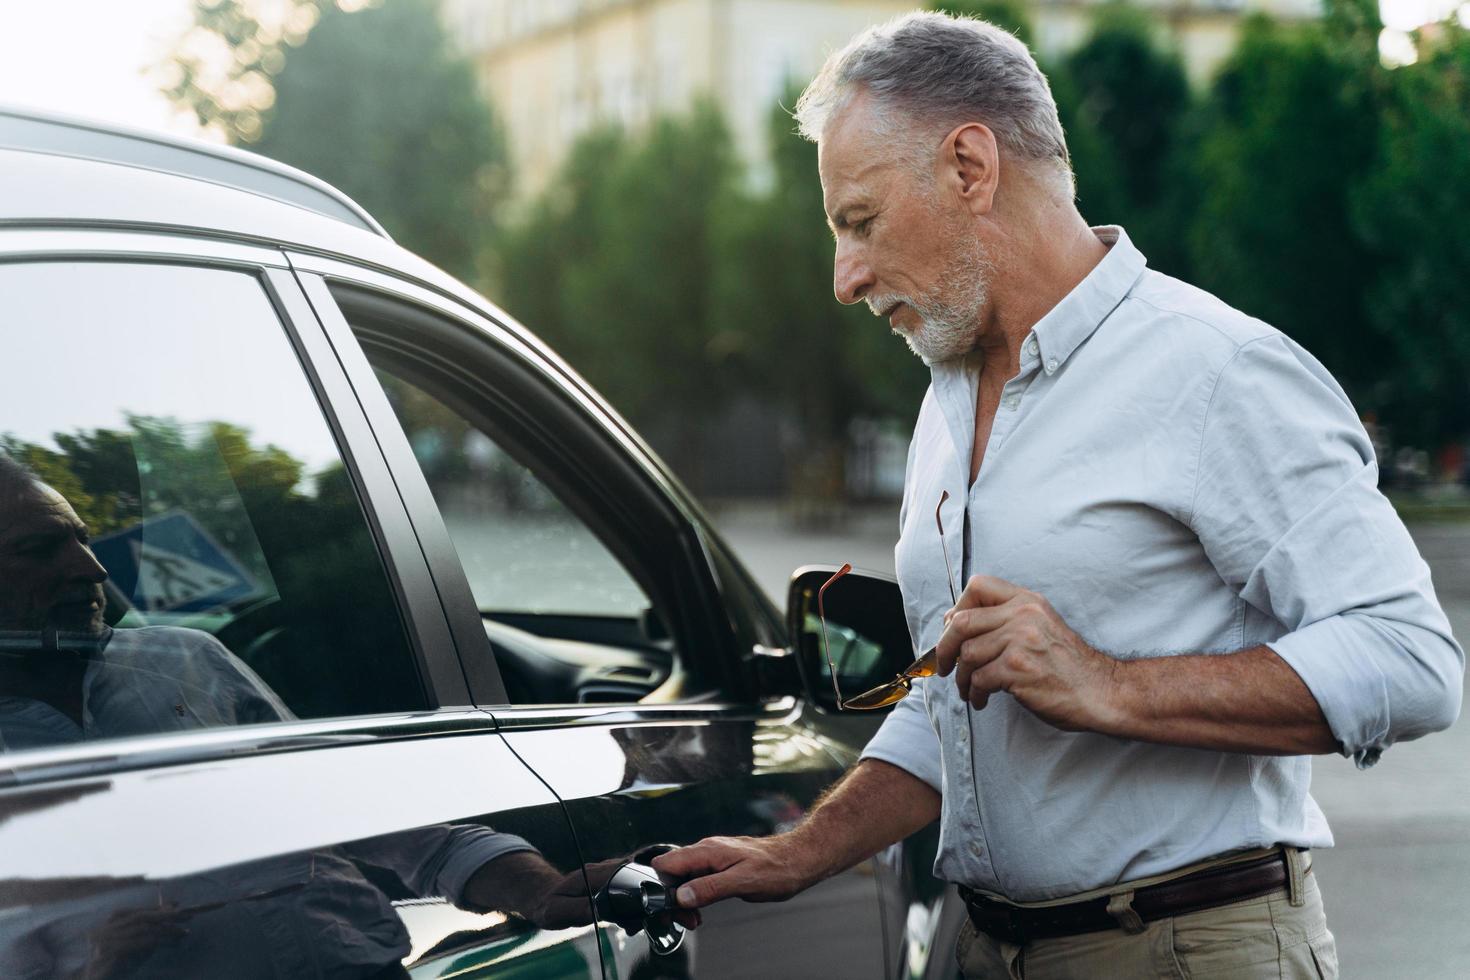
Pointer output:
757, 869
874, 805
1000, 637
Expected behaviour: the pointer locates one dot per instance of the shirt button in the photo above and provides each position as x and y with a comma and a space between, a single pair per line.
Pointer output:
1010, 402
1031, 347
1051, 365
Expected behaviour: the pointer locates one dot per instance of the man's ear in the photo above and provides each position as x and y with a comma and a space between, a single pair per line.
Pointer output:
972, 158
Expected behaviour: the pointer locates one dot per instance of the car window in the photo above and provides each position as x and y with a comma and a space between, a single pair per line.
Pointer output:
567, 620
180, 543
522, 550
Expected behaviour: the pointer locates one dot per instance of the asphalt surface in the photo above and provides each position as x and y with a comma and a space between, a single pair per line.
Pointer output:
1397, 885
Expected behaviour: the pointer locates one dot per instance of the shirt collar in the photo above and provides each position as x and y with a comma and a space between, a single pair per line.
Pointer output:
1083, 310
1058, 334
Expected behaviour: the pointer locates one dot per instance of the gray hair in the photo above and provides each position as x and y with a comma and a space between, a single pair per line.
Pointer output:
942, 70
16, 478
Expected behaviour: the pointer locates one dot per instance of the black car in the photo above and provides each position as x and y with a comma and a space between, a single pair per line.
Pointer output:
346, 632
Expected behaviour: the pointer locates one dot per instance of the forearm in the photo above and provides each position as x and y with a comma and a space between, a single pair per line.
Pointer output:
1251, 701
876, 804
516, 882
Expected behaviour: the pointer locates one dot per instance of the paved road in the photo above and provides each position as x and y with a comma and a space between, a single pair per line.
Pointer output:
1397, 885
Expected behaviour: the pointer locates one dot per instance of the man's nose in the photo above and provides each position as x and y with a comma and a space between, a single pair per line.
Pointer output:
852, 278
83, 564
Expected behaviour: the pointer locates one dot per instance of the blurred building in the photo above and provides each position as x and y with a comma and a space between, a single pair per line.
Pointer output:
553, 68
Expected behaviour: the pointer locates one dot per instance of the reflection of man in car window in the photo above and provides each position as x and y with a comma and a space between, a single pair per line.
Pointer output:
65, 676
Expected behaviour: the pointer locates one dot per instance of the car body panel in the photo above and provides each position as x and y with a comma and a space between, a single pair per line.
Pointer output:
225, 865
638, 776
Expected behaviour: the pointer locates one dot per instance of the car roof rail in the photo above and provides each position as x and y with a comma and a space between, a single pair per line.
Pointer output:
41, 131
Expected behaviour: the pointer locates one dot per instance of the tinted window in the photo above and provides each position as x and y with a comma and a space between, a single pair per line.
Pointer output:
180, 544
522, 550
567, 620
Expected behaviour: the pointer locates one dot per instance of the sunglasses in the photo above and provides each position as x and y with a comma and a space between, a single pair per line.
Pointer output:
903, 684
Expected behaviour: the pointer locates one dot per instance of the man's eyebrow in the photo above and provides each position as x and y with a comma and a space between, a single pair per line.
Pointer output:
42, 534
843, 217
53, 528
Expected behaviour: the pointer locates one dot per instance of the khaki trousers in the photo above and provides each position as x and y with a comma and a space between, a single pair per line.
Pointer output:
1257, 938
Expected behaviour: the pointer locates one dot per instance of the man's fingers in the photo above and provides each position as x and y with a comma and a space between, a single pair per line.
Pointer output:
961, 626
699, 892
974, 654
986, 590
988, 680
710, 854
706, 866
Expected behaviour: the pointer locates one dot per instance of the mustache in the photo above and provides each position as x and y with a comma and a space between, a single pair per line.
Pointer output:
885, 304
81, 593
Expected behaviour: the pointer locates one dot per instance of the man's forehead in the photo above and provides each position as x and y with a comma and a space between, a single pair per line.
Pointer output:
850, 159
840, 196
35, 510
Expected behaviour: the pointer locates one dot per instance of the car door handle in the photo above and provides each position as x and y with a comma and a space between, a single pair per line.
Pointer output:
637, 899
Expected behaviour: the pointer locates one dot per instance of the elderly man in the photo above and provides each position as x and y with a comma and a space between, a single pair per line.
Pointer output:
1180, 579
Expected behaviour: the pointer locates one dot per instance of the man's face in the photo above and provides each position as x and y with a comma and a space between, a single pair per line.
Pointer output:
48, 574
903, 247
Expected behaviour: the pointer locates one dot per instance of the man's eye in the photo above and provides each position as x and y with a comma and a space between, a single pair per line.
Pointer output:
863, 227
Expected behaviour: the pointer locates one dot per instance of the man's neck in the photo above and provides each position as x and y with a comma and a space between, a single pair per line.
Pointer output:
1044, 262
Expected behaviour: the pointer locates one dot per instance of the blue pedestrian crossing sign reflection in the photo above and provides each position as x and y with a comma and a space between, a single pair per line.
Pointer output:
171, 564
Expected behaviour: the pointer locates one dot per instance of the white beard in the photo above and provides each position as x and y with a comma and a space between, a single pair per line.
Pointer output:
949, 313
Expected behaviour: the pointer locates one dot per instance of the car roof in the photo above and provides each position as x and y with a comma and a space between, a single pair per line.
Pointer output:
54, 134
63, 172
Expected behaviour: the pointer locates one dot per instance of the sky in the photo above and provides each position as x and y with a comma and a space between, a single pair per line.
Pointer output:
87, 57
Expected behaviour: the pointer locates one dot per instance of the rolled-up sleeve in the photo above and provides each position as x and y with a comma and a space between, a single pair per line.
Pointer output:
439, 860
1287, 507
907, 739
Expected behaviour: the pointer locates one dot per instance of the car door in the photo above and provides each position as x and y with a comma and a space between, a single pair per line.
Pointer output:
235, 736
618, 654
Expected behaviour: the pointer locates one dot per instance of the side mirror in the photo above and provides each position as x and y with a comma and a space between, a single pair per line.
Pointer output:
866, 628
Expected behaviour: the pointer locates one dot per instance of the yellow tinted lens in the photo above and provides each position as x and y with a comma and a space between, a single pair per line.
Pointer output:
879, 697
925, 666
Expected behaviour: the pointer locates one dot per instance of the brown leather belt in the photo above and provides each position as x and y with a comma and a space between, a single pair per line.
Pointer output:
1195, 892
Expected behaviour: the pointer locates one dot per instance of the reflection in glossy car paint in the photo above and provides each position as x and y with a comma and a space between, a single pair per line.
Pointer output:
738, 773
230, 869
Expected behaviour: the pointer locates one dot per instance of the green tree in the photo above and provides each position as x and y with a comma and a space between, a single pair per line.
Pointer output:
372, 100
1125, 99
613, 267
556, 234
1099, 194
822, 363
1009, 14
1286, 134
1408, 209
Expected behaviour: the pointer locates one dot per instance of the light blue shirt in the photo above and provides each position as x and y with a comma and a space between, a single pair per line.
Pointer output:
1174, 477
